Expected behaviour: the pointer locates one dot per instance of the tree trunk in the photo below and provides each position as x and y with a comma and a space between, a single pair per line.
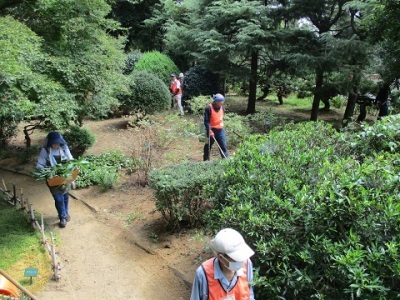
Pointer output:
280, 95
265, 90
351, 100
251, 104
327, 103
28, 130
319, 80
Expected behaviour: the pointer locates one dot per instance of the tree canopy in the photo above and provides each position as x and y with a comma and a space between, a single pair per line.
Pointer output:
61, 58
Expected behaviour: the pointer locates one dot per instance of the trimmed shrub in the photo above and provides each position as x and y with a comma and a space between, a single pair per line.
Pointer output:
158, 64
79, 139
178, 190
201, 81
148, 93
323, 225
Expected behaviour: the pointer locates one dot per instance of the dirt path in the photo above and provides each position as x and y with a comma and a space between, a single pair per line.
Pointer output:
99, 257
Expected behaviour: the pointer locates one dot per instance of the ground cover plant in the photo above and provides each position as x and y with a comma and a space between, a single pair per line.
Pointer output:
324, 224
104, 169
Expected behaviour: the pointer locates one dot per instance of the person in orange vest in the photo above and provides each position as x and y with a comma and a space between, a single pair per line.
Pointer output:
226, 275
214, 124
176, 91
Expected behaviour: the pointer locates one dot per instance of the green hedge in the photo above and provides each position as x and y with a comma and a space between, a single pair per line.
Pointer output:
324, 225
148, 93
179, 191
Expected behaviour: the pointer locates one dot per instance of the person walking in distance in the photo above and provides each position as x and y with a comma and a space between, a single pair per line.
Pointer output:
53, 152
214, 124
176, 91
181, 79
226, 275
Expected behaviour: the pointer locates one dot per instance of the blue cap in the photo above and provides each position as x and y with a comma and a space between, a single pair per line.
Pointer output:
218, 97
173, 75
55, 137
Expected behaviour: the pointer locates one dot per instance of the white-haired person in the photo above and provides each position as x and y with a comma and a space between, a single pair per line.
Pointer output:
229, 273
176, 92
214, 124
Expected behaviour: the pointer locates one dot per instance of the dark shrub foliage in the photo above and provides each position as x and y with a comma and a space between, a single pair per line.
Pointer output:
158, 64
200, 81
131, 60
148, 93
79, 139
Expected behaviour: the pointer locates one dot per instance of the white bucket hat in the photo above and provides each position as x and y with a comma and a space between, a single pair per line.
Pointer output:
181, 75
230, 242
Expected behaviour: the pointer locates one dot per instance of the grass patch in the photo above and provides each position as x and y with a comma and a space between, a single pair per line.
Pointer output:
20, 248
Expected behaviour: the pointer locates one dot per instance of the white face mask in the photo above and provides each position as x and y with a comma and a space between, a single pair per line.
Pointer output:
233, 265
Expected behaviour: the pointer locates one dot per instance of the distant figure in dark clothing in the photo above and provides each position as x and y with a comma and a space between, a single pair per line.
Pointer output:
363, 101
381, 100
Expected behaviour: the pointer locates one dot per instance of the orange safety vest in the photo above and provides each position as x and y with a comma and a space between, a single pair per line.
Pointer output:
216, 118
174, 86
240, 290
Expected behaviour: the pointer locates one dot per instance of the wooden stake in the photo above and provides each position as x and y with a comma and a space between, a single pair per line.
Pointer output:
42, 229
14, 195
4, 184
27, 205
32, 214
53, 256
22, 198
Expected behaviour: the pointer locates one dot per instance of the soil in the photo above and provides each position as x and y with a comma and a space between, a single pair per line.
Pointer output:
116, 245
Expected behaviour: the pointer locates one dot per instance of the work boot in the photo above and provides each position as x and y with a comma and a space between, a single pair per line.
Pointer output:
68, 218
63, 223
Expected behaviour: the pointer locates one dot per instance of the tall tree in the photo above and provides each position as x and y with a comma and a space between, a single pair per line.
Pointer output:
226, 36
25, 88
325, 17
381, 25
132, 15
78, 55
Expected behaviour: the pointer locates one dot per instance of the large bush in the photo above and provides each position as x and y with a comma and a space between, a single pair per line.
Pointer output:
148, 93
158, 64
324, 225
201, 81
